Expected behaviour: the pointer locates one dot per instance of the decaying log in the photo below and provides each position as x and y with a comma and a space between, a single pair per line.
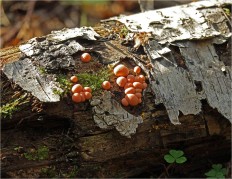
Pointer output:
181, 52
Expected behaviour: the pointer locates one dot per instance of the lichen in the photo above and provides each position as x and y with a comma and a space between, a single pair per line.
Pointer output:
108, 113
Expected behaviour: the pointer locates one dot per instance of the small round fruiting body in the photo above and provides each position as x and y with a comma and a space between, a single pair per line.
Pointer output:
85, 57
130, 78
144, 85
128, 85
137, 79
137, 69
73, 79
106, 85
77, 88
121, 70
130, 90
124, 102
132, 99
87, 89
76, 97
141, 78
121, 81
138, 90
138, 85
82, 94
139, 95
88, 95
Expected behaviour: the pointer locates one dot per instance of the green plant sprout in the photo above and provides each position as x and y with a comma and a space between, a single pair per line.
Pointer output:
216, 172
42, 70
40, 154
94, 80
18, 148
49, 172
227, 11
8, 109
124, 31
175, 156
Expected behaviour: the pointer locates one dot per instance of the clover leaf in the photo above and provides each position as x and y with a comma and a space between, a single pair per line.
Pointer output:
175, 156
216, 172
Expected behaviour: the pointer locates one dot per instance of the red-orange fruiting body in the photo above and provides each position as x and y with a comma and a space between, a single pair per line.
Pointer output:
88, 95
106, 85
127, 85
130, 78
77, 88
130, 90
124, 102
87, 89
74, 79
76, 97
121, 70
141, 78
138, 85
139, 95
138, 90
121, 81
85, 57
82, 94
137, 69
144, 85
132, 99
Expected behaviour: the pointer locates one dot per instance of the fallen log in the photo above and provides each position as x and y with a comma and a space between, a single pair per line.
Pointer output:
186, 106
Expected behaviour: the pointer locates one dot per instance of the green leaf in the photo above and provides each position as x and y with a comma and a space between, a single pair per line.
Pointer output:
176, 153
217, 167
219, 175
211, 173
224, 171
181, 160
169, 159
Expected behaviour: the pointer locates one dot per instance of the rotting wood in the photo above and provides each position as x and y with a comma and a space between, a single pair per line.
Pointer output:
173, 85
204, 67
166, 77
66, 127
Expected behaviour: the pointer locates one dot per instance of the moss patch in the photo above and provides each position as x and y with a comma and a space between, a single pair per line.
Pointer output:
94, 80
65, 85
40, 154
8, 109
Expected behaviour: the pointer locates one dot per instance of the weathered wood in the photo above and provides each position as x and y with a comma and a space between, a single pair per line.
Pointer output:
174, 85
188, 84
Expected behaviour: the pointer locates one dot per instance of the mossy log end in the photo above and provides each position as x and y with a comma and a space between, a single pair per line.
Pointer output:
81, 140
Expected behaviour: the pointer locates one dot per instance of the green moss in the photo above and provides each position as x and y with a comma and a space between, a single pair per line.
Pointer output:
8, 109
42, 70
124, 31
65, 85
90, 79
40, 154
227, 11
94, 80
48, 172
72, 173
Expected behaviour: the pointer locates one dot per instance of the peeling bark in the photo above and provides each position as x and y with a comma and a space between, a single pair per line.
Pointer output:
189, 84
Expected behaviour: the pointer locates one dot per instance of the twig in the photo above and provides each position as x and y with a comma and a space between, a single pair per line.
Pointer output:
165, 170
226, 17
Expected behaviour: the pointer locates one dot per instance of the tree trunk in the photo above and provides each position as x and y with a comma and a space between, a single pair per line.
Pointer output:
101, 137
